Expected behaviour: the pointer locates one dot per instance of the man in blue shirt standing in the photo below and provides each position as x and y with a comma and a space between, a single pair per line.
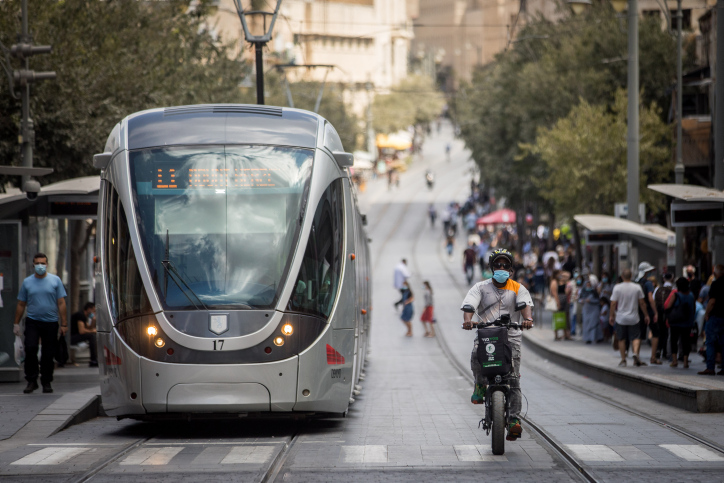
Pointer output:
43, 295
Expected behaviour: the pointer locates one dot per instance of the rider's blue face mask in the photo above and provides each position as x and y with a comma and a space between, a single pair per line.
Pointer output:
501, 276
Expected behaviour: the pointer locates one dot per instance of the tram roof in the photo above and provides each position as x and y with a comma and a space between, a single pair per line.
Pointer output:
222, 124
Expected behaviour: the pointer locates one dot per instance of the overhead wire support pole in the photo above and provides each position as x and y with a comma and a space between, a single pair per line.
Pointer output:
259, 41
632, 191
679, 167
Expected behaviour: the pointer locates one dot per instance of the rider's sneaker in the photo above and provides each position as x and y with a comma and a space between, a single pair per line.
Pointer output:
478, 396
514, 430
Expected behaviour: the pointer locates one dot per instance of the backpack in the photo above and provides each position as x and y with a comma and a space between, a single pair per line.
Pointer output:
662, 293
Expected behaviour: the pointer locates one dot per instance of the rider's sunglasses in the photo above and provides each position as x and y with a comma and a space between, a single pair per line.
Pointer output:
501, 266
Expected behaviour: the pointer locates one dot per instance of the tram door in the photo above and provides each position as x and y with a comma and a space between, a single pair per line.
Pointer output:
9, 286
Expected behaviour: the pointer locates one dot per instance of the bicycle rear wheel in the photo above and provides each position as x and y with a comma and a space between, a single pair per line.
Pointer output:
498, 409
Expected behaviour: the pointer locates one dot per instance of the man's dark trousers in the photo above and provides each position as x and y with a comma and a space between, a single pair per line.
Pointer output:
46, 332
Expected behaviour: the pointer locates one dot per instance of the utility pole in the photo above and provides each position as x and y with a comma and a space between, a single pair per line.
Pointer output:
22, 78
632, 192
719, 120
679, 167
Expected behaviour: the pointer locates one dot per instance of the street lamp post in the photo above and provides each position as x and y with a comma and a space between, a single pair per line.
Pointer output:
259, 41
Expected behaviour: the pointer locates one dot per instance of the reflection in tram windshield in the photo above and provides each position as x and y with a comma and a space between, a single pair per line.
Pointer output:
225, 217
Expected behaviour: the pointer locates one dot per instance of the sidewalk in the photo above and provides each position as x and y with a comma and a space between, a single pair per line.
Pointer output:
29, 417
675, 386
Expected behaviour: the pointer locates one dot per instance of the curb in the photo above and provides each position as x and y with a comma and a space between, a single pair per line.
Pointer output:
690, 398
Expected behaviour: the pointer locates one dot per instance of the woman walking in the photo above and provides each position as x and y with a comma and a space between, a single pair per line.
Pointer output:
591, 312
680, 318
558, 291
428, 315
407, 309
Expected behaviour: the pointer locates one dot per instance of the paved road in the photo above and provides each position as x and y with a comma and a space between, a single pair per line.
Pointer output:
413, 420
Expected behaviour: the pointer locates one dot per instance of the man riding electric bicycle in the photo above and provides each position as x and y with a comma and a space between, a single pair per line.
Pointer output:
492, 298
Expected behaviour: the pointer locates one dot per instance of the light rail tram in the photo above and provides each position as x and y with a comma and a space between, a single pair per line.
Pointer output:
233, 269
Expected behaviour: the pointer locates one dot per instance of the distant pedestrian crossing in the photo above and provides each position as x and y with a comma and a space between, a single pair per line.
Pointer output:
157, 454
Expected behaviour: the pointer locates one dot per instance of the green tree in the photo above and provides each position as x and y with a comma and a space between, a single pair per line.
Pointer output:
415, 101
112, 59
333, 108
550, 69
585, 157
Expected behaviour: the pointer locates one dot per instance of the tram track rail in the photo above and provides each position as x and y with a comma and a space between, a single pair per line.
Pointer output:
576, 467
103, 464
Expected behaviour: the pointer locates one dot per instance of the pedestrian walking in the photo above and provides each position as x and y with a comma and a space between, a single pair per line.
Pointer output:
450, 243
660, 295
428, 315
681, 314
432, 213
83, 329
407, 308
558, 291
402, 273
626, 298
591, 311
469, 257
43, 295
714, 322
645, 268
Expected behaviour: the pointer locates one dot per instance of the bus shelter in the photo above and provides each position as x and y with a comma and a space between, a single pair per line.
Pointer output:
59, 223
617, 243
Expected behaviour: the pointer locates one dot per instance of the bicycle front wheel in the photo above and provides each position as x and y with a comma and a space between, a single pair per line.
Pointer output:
498, 409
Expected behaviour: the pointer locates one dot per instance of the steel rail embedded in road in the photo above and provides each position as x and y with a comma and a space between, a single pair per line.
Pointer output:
569, 460
111, 459
278, 463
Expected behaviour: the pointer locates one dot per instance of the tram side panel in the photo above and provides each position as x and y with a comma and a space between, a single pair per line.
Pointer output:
326, 369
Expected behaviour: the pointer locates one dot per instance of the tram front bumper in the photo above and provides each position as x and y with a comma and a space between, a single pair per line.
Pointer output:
227, 388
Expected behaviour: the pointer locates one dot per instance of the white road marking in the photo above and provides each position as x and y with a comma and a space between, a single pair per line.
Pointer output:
692, 452
152, 456
469, 452
631, 453
594, 452
53, 455
364, 454
212, 443
248, 454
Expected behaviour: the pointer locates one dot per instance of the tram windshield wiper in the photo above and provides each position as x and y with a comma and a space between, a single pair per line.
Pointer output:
172, 273
181, 283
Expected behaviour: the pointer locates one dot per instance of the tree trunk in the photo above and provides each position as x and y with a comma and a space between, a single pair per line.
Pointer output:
62, 246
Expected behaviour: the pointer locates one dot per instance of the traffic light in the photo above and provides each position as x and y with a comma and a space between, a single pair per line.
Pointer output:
22, 77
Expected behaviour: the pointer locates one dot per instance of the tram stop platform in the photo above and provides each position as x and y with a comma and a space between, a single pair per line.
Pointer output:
675, 386
30, 417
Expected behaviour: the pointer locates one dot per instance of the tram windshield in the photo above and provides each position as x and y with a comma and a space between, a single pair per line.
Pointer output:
218, 223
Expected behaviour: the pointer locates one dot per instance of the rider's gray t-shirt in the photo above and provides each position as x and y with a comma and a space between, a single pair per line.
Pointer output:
491, 302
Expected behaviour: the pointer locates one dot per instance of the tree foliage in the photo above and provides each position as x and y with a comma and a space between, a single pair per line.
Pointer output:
414, 101
112, 58
585, 157
551, 68
332, 107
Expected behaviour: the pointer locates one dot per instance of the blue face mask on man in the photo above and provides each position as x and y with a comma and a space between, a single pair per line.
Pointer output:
501, 276
40, 269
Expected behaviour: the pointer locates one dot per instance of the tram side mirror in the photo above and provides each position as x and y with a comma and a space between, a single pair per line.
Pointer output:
520, 306
344, 160
101, 161
468, 309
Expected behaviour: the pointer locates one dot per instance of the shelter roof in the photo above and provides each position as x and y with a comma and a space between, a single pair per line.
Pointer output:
611, 224
688, 192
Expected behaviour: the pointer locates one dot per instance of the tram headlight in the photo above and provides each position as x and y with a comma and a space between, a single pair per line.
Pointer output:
151, 330
287, 329
160, 342
279, 341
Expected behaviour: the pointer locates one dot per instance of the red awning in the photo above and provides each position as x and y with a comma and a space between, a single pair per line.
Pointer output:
498, 217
